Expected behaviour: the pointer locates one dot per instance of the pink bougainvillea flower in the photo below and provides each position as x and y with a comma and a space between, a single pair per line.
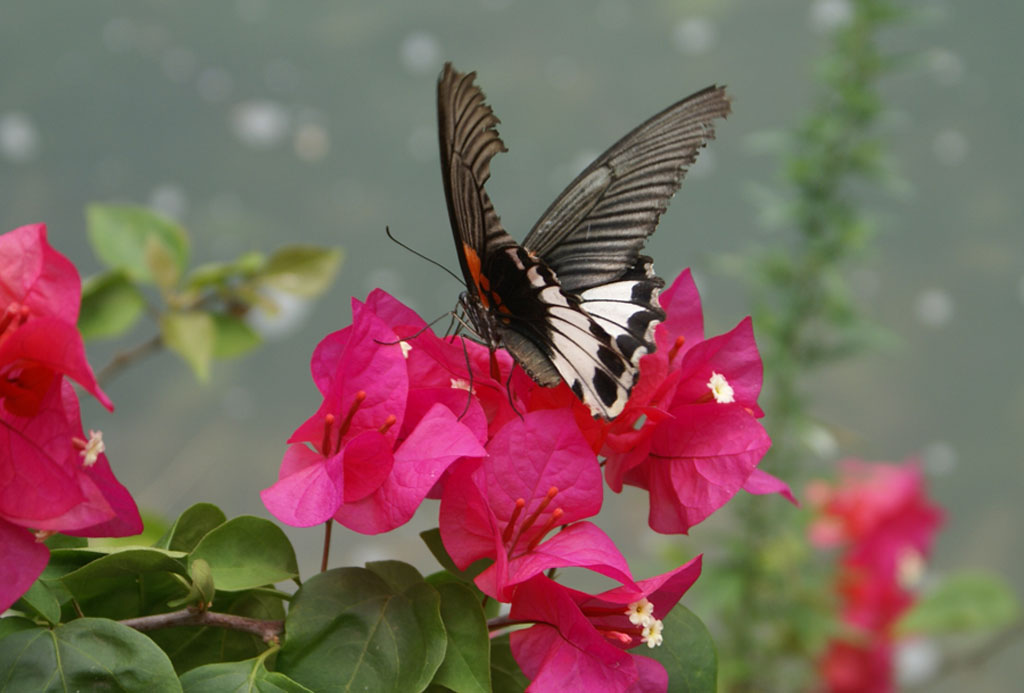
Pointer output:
360, 371
460, 365
881, 519
540, 474
438, 440
581, 642
850, 667
40, 292
690, 434
23, 560
369, 459
876, 506
55, 479
36, 276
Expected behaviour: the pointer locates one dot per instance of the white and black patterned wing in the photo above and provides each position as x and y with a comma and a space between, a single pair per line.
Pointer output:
593, 232
552, 337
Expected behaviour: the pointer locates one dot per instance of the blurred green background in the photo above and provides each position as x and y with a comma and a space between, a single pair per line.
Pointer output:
259, 123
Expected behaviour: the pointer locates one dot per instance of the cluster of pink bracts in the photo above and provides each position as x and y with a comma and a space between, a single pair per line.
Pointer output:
53, 477
407, 415
883, 523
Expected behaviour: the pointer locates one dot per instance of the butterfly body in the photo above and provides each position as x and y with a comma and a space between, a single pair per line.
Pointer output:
576, 301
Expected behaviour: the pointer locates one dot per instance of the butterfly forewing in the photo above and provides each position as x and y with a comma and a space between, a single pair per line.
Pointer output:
576, 302
593, 232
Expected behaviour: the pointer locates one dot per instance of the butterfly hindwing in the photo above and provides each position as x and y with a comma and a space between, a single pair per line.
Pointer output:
576, 301
551, 336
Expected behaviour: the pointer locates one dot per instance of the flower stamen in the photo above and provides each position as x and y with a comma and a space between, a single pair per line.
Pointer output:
91, 449
510, 527
674, 351
325, 442
359, 398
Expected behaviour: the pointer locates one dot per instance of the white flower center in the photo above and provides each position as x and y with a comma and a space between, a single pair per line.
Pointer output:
652, 633
641, 612
721, 389
93, 448
406, 348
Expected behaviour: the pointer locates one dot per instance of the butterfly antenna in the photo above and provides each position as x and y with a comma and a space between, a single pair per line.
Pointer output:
418, 254
416, 334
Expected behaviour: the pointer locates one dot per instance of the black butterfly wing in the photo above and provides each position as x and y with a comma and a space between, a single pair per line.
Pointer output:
513, 297
468, 141
593, 232
592, 331
494, 284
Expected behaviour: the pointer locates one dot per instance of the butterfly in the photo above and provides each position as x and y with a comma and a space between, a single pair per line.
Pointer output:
576, 301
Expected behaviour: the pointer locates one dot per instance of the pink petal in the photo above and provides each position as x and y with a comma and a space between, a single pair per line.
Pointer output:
327, 356
23, 560
762, 483
392, 311
371, 362
582, 545
367, 461
422, 458
55, 345
38, 479
733, 355
103, 492
532, 455
311, 493
698, 462
569, 654
684, 316
34, 274
469, 530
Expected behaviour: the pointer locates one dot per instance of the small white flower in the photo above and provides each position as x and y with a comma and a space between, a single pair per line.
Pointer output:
652, 634
93, 448
721, 389
406, 348
910, 569
641, 612
461, 384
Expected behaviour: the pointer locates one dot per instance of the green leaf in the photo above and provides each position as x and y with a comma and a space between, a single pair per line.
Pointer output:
202, 579
302, 270
969, 601
233, 336
219, 274
14, 624
248, 675
467, 659
40, 599
191, 335
399, 576
194, 646
88, 654
111, 304
162, 264
64, 541
348, 629
92, 578
432, 538
191, 526
506, 675
247, 552
688, 653
120, 236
